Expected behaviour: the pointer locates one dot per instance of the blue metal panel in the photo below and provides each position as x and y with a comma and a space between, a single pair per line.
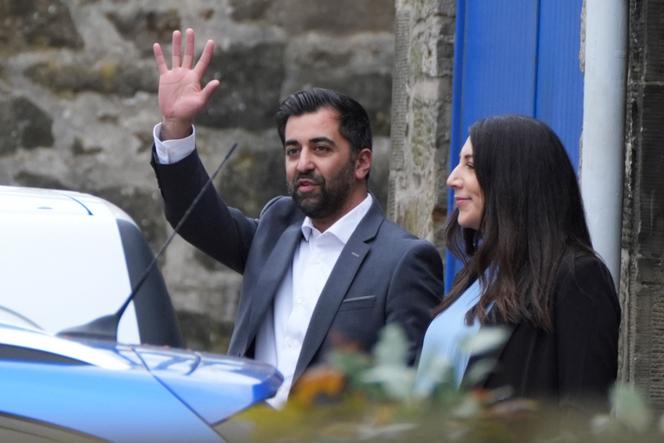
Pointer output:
516, 57
559, 99
114, 405
499, 55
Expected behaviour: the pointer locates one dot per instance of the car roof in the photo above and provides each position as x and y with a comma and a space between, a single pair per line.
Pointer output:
35, 201
63, 260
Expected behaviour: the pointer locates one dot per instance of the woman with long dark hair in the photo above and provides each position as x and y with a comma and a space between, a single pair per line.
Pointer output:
519, 229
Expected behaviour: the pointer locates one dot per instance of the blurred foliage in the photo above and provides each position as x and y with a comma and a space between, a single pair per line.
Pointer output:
379, 398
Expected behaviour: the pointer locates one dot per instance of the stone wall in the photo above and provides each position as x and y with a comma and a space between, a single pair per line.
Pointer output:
642, 274
78, 103
421, 115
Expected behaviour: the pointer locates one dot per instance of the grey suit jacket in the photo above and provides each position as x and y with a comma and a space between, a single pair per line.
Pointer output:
383, 274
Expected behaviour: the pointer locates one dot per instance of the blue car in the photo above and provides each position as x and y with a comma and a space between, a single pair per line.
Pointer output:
90, 349
56, 389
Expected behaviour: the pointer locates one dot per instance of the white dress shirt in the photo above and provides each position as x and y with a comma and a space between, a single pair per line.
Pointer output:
280, 336
171, 151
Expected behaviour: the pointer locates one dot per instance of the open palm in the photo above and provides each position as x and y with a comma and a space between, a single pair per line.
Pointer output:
181, 96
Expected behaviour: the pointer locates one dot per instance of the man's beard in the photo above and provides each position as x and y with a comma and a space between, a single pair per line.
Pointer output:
328, 197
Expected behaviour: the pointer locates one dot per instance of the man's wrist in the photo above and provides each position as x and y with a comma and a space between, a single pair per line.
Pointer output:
171, 130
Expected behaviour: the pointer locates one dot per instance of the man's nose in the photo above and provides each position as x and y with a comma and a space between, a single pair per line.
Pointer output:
304, 161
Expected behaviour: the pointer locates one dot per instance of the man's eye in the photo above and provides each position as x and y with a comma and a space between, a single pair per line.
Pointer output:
322, 148
291, 152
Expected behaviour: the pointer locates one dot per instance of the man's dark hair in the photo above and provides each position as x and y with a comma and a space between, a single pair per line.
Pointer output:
533, 216
354, 124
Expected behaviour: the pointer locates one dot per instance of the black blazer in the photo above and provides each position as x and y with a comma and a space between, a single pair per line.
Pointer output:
576, 362
383, 275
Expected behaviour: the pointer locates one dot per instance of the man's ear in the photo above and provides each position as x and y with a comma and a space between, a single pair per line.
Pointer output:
363, 163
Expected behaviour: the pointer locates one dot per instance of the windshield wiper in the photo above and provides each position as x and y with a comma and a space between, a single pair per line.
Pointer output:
106, 327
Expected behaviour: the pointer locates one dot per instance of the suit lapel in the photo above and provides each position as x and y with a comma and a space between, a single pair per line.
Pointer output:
349, 262
270, 279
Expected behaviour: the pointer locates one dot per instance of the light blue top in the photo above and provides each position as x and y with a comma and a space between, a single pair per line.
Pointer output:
445, 333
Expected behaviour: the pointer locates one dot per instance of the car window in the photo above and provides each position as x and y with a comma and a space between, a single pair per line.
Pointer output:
8, 352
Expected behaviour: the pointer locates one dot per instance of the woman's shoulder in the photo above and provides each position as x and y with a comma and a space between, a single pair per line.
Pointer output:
577, 262
583, 273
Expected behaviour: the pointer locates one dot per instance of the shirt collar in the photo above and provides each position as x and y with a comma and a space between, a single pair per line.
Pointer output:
345, 226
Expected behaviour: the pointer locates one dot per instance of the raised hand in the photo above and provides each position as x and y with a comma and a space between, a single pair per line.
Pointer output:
181, 97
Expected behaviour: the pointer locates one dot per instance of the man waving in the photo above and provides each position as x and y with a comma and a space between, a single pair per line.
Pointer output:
321, 266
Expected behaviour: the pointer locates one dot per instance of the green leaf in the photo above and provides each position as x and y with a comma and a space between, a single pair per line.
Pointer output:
396, 380
431, 373
630, 407
479, 371
487, 338
468, 407
392, 346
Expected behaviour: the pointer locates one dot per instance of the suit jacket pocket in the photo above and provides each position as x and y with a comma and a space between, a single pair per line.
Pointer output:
363, 302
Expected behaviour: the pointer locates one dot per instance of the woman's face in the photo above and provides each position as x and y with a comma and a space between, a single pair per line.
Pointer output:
468, 195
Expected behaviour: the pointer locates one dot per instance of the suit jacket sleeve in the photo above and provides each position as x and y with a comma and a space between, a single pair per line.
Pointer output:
223, 233
416, 287
587, 318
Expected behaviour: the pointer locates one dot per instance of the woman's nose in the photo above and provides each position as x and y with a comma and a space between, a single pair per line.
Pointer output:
453, 180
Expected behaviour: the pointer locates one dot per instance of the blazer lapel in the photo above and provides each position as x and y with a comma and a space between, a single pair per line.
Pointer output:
269, 280
349, 262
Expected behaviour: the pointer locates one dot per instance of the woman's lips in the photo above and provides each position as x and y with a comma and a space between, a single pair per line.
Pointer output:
460, 201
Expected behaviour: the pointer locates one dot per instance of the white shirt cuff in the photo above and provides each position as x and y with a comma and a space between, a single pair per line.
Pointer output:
172, 151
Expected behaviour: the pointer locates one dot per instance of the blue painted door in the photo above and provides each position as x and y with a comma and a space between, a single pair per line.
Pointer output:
517, 57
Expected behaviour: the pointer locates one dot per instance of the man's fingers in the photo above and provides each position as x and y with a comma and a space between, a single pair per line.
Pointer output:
189, 40
176, 48
159, 58
205, 59
209, 89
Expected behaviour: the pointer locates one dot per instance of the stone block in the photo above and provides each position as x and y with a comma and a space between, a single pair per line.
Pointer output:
654, 45
339, 17
651, 163
649, 271
26, 126
144, 27
251, 79
243, 10
105, 77
33, 24
253, 177
35, 180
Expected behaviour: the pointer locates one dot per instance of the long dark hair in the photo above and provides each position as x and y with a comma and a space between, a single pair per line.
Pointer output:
533, 214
